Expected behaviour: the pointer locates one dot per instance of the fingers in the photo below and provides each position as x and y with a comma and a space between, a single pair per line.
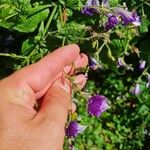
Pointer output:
80, 81
23, 84
53, 115
57, 103
38, 75
80, 62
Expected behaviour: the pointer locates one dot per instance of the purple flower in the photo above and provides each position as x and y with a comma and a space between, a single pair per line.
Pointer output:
142, 64
148, 83
93, 64
137, 18
90, 11
97, 105
148, 77
112, 22
136, 90
74, 129
127, 16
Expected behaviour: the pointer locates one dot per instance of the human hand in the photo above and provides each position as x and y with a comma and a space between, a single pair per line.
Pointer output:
21, 127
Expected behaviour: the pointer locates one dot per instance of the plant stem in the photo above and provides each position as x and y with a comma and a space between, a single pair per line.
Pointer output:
143, 73
110, 53
49, 21
12, 55
99, 50
63, 41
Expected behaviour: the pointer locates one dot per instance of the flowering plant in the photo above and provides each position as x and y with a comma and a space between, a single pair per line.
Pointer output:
113, 33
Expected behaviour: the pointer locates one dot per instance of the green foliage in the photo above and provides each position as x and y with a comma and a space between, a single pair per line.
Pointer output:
123, 125
72, 32
144, 46
21, 16
42, 26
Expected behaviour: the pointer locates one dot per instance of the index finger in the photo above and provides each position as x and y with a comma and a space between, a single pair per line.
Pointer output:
38, 75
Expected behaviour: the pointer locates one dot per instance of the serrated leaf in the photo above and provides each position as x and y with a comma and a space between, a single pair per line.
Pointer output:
27, 46
41, 29
144, 25
6, 10
31, 23
71, 31
6, 25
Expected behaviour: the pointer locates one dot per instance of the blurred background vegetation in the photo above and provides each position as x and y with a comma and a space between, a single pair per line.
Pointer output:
30, 29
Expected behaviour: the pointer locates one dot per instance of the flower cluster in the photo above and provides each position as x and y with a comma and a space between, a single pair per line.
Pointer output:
136, 89
115, 16
96, 106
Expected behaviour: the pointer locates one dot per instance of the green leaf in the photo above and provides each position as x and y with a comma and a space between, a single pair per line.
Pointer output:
31, 23
71, 2
143, 109
144, 25
71, 31
22, 5
7, 10
37, 9
62, 2
114, 2
41, 29
27, 46
6, 25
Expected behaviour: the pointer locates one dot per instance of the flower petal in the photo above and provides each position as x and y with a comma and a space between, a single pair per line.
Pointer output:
90, 11
97, 105
136, 90
105, 3
128, 17
142, 64
74, 129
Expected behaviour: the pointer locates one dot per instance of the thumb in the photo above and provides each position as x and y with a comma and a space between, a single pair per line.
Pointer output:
53, 112
56, 102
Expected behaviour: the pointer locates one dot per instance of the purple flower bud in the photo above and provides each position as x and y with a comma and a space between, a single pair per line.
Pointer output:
105, 3
135, 90
120, 62
90, 11
93, 64
142, 64
148, 83
127, 16
97, 105
112, 22
148, 77
74, 129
